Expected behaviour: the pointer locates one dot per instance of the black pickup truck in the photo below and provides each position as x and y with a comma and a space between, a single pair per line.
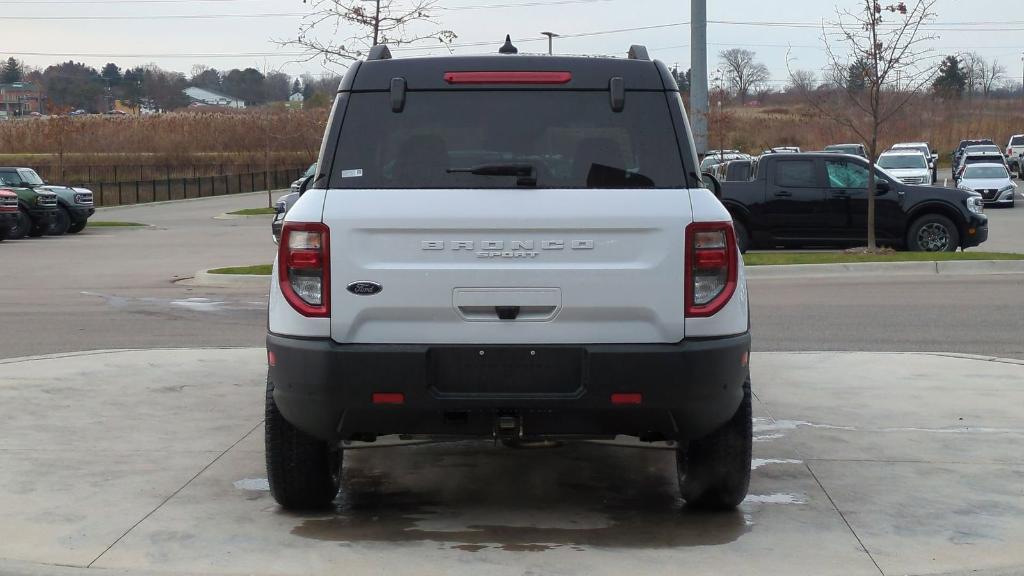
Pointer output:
821, 199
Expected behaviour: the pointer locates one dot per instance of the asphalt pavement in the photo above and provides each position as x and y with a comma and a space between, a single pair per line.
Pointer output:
114, 288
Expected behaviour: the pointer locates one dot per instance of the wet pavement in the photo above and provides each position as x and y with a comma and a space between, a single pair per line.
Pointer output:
152, 461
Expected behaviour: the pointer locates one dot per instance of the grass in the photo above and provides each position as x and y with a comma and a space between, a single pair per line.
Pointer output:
254, 212
257, 270
782, 258
113, 224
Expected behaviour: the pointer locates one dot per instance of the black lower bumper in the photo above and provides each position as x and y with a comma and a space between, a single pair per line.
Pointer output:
979, 226
42, 216
80, 213
672, 391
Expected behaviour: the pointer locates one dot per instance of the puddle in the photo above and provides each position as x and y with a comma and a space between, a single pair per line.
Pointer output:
175, 306
775, 499
768, 437
471, 497
759, 462
198, 304
253, 484
769, 425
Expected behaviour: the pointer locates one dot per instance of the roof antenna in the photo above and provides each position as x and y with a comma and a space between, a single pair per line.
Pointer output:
508, 48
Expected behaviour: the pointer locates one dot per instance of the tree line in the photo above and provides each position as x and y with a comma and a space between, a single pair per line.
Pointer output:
73, 85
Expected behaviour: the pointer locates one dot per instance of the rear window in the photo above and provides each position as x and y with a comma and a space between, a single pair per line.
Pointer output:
571, 139
795, 174
902, 161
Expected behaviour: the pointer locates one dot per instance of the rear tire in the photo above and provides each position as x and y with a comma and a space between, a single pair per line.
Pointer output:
742, 236
61, 224
933, 233
304, 472
714, 471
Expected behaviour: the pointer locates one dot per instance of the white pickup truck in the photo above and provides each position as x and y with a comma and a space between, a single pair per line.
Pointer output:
509, 247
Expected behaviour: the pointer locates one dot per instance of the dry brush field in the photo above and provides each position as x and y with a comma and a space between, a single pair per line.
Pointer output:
173, 145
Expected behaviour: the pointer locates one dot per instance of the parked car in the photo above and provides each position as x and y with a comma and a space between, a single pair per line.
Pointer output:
1014, 150
821, 199
8, 212
294, 188
281, 208
75, 207
712, 160
910, 166
855, 149
926, 149
979, 157
37, 207
958, 152
463, 273
734, 170
992, 181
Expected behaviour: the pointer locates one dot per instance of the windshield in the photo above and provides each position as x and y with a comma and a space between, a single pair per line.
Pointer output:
29, 176
1017, 141
985, 173
571, 140
843, 149
903, 162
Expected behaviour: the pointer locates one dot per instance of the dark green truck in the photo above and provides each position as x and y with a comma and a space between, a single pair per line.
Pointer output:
37, 207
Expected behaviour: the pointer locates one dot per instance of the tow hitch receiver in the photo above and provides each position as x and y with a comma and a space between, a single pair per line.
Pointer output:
507, 427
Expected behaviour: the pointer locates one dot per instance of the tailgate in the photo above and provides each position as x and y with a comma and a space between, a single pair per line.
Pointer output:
508, 266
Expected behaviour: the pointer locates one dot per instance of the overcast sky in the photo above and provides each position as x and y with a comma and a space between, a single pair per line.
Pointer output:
179, 43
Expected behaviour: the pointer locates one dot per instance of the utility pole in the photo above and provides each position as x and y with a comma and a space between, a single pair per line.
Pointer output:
699, 103
551, 45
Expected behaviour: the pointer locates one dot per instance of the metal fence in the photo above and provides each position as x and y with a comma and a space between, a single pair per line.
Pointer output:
71, 173
159, 190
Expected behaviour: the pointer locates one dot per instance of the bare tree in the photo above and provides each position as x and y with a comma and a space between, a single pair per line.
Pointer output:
975, 71
891, 53
994, 74
342, 31
802, 81
742, 73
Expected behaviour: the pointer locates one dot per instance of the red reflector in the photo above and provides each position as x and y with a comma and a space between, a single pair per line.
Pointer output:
304, 259
627, 399
388, 398
711, 258
745, 359
271, 358
507, 77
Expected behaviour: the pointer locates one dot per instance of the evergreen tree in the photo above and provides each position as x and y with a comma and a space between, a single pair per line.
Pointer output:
296, 86
951, 80
11, 72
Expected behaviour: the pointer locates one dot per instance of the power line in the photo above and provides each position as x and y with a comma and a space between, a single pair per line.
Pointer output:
158, 17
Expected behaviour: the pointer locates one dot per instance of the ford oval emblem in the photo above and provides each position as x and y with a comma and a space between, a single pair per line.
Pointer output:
364, 288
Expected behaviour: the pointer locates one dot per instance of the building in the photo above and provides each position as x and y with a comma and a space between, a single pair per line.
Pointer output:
20, 98
204, 97
295, 101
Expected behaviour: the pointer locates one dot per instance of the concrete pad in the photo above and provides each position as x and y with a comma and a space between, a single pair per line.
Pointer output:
151, 461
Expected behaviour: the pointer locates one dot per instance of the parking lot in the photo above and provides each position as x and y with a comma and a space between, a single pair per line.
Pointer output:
150, 459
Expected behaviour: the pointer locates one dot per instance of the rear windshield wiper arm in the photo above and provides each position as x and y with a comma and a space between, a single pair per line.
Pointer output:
526, 174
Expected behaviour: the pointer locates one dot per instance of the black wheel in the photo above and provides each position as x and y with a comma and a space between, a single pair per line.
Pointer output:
304, 472
77, 227
933, 233
61, 223
22, 224
742, 236
714, 471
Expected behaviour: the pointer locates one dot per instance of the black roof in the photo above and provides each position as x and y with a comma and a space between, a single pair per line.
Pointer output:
587, 73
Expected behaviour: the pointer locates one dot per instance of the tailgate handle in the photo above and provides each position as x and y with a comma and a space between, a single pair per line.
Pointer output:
507, 312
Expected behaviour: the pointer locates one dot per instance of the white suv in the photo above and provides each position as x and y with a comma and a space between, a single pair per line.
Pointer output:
509, 247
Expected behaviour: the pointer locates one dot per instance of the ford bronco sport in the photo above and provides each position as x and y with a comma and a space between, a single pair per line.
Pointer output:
514, 247
37, 207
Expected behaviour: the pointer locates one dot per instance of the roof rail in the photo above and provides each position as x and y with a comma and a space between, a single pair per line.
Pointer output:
379, 52
638, 52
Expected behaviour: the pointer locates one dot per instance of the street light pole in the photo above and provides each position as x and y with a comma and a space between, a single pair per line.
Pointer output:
551, 45
699, 103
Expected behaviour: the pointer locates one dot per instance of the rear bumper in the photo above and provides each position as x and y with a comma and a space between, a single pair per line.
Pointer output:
688, 389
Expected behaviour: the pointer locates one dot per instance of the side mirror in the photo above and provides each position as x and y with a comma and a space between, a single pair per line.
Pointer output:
305, 184
712, 183
882, 186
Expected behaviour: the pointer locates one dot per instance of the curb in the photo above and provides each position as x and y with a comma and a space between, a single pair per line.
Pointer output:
961, 268
226, 216
204, 278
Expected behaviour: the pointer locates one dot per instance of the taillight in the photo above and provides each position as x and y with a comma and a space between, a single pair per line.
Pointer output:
712, 266
507, 77
304, 267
